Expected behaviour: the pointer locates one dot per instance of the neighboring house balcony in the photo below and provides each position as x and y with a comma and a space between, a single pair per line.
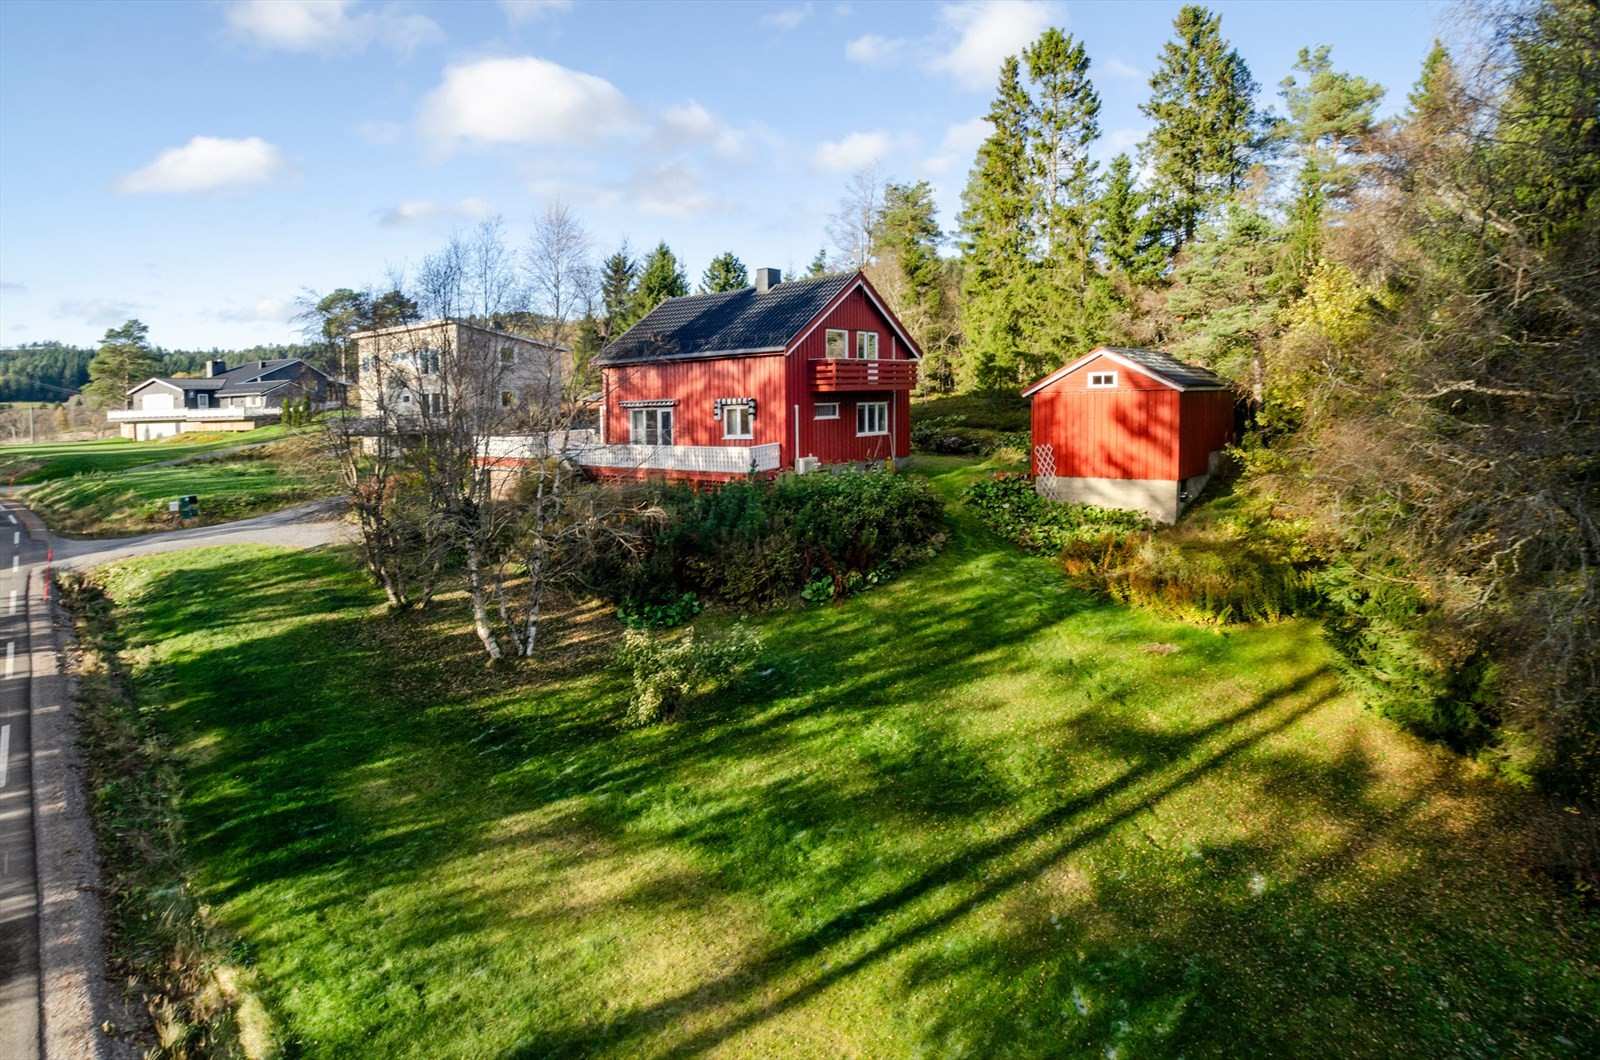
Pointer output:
840, 373
192, 415
582, 447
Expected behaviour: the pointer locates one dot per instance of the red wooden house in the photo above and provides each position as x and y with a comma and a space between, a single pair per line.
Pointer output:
774, 377
1124, 428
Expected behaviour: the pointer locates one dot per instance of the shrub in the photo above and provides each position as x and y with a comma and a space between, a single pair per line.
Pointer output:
664, 615
754, 543
1011, 508
666, 673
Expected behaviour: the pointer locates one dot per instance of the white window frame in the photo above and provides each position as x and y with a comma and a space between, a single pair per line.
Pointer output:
639, 427
1102, 380
737, 413
819, 414
862, 344
202, 400
867, 411
844, 344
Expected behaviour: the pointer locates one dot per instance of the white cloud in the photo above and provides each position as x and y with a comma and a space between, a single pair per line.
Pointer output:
675, 190
107, 311
411, 211
523, 100
329, 26
987, 32
854, 151
1118, 68
1119, 140
266, 311
691, 125
789, 17
519, 11
207, 162
960, 144
874, 50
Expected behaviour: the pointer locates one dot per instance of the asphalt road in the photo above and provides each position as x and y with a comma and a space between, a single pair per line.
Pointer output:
20, 556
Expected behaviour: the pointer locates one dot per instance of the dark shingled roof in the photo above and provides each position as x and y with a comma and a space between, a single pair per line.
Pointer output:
1169, 367
245, 379
730, 322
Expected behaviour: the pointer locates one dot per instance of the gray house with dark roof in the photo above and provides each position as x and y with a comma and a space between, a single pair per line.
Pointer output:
226, 399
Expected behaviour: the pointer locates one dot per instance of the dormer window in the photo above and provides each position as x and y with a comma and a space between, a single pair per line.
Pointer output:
1102, 380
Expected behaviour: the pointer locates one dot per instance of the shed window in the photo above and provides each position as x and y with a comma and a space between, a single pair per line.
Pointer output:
872, 417
867, 345
1102, 380
650, 426
827, 410
837, 343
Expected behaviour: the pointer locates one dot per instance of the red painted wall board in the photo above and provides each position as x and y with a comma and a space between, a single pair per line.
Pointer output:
697, 385
1206, 426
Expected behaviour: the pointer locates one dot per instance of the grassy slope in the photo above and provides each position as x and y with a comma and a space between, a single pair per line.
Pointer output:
965, 812
116, 503
54, 460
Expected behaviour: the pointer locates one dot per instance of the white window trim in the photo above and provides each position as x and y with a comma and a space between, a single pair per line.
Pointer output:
735, 411
861, 337
844, 343
818, 414
865, 405
203, 400
1109, 380
637, 435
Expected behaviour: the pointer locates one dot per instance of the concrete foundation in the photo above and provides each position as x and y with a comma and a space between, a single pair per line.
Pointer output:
1163, 500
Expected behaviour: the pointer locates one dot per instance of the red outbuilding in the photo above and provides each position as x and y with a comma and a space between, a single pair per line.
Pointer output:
1124, 428
778, 376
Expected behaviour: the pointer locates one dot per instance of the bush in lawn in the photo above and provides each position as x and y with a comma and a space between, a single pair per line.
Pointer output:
757, 542
667, 672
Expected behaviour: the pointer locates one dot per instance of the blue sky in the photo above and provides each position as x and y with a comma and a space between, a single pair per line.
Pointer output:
196, 165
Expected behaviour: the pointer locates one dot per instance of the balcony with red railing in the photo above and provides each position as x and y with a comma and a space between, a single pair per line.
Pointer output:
840, 373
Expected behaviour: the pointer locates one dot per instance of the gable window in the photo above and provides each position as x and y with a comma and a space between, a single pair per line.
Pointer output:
827, 410
736, 421
836, 343
872, 417
1102, 380
867, 345
650, 426
508, 355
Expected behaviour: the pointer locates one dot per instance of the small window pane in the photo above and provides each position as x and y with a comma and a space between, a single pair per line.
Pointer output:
872, 417
837, 343
508, 355
828, 410
736, 421
867, 345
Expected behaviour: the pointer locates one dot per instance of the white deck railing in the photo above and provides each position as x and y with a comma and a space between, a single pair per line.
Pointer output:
252, 412
584, 447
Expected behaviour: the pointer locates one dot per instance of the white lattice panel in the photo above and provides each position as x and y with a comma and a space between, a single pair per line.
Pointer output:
1044, 458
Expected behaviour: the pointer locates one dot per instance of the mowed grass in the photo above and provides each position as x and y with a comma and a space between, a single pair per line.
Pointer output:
118, 503
971, 812
54, 460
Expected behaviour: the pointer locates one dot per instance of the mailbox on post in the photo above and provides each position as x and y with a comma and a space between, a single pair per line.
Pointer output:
186, 507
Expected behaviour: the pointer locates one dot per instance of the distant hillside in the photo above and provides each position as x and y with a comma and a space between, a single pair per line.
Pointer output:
52, 371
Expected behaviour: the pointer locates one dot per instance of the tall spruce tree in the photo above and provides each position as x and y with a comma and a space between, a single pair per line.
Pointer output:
1207, 128
909, 273
997, 236
661, 277
725, 273
1125, 233
619, 276
125, 358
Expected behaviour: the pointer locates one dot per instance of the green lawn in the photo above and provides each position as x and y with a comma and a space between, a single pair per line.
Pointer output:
972, 813
118, 503
54, 460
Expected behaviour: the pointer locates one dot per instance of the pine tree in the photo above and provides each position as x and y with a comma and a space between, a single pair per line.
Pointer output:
1330, 116
1206, 124
619, 275
725, 273
1125, 233
661, 277
819, 264
125, 359
997, 237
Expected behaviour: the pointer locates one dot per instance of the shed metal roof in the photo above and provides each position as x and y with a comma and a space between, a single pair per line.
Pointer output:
1163, 366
